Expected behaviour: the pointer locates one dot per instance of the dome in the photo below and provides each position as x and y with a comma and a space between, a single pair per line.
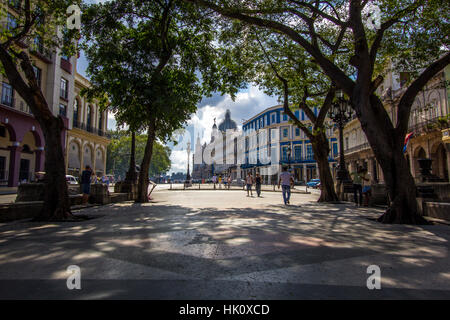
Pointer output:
228, 123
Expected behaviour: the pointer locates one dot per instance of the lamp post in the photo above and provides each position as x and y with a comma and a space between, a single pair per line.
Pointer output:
188, 149
289, 158
341, 113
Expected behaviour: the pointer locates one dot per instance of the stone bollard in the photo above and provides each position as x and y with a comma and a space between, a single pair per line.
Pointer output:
30, 192
100, 194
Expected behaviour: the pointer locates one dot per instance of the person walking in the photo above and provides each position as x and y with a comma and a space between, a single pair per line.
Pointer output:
86, 176
286, 180
357, 185
366, 186
229, 182
153, 186
249, 182
214, 180
258, 184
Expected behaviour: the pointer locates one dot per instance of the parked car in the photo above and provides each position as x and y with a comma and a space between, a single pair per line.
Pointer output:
313, 183
71, 179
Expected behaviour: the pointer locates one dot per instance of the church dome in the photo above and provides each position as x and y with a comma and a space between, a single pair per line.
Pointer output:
228, 123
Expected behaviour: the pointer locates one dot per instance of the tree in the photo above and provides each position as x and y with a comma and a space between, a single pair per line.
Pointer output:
119, 149
44, 20
148, 56
286, 71
417, 30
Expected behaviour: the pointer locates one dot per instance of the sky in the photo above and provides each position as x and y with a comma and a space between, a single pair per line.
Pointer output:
248, 103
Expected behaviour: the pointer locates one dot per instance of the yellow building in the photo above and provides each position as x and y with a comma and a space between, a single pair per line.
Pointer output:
87, 139
428, 122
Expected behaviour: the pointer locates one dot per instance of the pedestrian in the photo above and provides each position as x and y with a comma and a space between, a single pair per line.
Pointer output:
153, 186
357, 185
249, 182
220, 182
214, 180
86, 176
286, 180
258, 184
366, 188
229, 182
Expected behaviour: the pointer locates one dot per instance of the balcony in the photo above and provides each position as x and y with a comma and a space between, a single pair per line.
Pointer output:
42, 52
89, 128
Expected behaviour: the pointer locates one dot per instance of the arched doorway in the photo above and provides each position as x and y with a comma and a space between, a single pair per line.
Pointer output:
27, 167
418, 154
439, 166
74, 163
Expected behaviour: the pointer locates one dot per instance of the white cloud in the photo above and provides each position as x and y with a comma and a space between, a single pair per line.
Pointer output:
247, 104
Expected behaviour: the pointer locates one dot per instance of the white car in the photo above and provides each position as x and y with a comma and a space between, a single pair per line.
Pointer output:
71, 179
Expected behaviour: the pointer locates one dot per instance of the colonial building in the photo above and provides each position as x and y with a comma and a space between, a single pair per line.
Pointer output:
87, 139
288, 141
21, 139
219, 155
428, 121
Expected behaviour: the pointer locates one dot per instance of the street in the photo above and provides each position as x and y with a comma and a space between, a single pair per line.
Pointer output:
224, 245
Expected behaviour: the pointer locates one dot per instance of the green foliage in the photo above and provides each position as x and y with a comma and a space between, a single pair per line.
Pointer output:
119, 154
154, 59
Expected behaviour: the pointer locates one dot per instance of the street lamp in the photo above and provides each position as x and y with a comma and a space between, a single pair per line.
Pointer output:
188, 149
341, 113
289, 158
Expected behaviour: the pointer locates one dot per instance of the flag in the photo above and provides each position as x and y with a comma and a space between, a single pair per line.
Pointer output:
408, 136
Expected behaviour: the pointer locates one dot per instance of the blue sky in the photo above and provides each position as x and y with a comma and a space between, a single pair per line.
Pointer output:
248, 103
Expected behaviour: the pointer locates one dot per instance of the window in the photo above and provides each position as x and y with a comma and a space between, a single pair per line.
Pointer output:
335, 149
75, 113
284, 117
38, 44
273, 118
38, 74
285, 133
297, 132
7, 95
2, 131
100, 121
62, 110
64, 92
346, 143
284, 155
89, 118
298, 152
309, 152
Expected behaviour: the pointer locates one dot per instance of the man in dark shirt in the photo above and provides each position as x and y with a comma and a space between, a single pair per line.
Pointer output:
86, 183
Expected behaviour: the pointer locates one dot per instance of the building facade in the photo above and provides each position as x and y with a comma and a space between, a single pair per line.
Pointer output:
428, 124
290, 143
87, 138
21, 139
219, 156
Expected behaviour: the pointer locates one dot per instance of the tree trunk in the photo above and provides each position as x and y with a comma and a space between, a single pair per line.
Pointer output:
321, 150
402, 192
56, 195
131, 175
145, 165
387, 145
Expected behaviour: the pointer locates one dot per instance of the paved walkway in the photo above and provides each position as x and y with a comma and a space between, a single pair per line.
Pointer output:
224, 245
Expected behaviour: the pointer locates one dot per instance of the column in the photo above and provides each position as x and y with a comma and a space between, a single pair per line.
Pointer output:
14, 164
39, 164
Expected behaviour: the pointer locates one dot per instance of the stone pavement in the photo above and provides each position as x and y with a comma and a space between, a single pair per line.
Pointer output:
224, 245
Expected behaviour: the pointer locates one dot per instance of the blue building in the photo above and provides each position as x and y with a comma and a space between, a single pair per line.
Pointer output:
289, 142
